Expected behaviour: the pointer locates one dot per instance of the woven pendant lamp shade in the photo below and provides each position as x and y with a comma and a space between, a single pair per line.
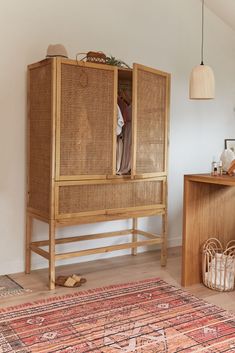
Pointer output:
202, 83
202, 80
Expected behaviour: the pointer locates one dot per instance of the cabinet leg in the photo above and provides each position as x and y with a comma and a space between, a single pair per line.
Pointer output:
28, 239
164, 241
52, 255
134, 235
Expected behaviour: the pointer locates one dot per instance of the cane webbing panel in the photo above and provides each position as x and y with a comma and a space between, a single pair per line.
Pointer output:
86, 122
39, 137
94, 197
151, 115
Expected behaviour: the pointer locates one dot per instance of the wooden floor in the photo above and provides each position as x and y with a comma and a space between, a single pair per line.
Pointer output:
113, 271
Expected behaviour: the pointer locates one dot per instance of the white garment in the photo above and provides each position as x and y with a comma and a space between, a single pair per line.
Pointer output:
120, 121
219, 281
216, 272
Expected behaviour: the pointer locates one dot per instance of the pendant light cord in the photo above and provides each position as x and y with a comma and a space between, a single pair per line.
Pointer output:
202, 47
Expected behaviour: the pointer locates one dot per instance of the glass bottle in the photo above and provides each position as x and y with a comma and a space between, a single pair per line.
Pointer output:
214, 168
220, 168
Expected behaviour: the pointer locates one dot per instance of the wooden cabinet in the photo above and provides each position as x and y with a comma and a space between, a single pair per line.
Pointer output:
72, 142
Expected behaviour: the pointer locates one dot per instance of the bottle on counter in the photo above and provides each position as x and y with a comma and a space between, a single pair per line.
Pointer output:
220, 168
214, 168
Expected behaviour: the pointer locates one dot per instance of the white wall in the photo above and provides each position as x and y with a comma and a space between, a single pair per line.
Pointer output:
164, 34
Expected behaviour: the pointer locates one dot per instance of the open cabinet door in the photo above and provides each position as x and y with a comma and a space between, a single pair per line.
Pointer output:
86, 120
150, 122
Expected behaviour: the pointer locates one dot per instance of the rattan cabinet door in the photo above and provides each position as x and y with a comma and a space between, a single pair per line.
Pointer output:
87, 106
150, 116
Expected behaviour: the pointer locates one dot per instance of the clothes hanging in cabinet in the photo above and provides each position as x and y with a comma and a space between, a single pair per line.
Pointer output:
123, 107
125, 167
120, 121
119, 152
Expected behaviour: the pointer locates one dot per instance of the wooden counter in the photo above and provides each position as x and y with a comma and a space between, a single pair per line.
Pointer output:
209, 211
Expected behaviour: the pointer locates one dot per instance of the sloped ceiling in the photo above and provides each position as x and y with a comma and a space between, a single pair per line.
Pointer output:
225, 9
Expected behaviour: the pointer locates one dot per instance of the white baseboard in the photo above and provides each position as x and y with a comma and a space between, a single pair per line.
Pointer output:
174, 241
39, 263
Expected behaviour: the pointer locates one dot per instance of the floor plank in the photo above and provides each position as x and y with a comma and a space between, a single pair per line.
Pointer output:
116, 270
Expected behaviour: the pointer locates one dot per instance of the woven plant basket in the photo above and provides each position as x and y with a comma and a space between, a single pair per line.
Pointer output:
96, 57
99, 57
218, 265
93, 57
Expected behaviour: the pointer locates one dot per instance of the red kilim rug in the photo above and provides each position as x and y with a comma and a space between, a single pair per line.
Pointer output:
147, 316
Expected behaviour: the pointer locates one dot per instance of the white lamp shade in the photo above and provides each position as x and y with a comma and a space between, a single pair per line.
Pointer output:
202, 83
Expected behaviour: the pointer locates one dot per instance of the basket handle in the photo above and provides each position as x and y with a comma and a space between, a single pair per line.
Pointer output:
230, 244
212, 243
77, 55
230, 251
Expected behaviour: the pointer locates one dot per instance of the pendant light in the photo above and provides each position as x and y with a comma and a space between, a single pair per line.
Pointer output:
202, 81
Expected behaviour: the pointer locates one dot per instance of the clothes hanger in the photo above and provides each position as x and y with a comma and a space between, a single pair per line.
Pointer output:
124, 96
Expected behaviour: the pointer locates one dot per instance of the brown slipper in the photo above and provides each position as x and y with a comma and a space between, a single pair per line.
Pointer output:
79, 279
67, 281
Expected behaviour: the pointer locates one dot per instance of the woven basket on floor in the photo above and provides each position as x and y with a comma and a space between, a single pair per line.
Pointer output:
218, 265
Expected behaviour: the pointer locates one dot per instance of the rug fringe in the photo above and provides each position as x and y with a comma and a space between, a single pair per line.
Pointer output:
95, 290
79, 294
10, 293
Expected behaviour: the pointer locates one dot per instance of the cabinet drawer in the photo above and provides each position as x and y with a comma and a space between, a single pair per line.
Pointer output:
104, 197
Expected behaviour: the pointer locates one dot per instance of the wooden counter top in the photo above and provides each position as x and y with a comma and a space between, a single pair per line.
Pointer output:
207, 178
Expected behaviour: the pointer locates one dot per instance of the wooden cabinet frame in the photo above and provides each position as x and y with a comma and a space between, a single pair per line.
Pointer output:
44, 109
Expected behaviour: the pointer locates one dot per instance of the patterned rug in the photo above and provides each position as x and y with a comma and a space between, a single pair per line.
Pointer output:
148, 317
8, 287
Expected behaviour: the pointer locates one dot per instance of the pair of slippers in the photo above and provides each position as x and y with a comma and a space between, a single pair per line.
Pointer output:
70, 281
